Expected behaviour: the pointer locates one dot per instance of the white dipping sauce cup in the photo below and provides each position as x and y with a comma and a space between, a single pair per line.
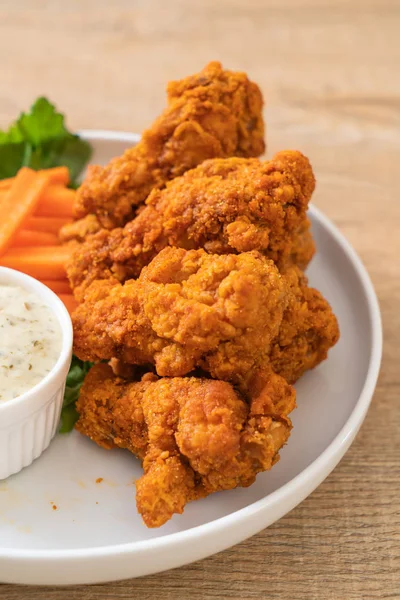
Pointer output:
29, 422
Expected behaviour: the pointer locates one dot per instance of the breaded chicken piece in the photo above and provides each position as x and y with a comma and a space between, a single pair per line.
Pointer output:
308, 330
227, 314
224, 206
215, 113
195, 436
188, 309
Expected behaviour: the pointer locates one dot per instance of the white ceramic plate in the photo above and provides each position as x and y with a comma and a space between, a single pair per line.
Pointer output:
95, 535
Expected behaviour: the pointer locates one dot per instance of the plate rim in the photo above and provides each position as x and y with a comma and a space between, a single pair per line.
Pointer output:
323, 464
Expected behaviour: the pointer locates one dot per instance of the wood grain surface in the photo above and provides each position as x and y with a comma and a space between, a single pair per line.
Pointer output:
330, 72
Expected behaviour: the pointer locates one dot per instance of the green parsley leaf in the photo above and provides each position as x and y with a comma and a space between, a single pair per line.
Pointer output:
69, 417
76, 375
11, 155
40, 140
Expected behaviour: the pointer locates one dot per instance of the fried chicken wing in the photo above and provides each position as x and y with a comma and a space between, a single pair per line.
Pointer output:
188, 309
195, 436
216, 113
224, 206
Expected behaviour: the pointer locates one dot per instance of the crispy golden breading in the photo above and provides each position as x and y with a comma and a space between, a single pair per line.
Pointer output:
79, 230
215, 113
302, 249
308, 330
188, 309
195, 436
91, 261
224, 206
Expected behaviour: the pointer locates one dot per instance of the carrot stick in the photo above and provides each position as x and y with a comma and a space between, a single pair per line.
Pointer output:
26, 237
56, 201
59, 286
46, 224
69, 301
56, 175
19, 202
42, 262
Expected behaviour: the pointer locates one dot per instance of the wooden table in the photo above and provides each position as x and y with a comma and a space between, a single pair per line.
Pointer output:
331, 78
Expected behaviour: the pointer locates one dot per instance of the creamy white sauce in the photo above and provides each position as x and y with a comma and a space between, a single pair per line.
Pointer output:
30, 341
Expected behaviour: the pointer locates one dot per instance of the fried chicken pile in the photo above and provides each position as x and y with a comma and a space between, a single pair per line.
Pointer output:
188, 270
195, 436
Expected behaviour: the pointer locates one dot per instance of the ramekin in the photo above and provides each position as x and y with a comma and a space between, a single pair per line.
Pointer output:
28, 423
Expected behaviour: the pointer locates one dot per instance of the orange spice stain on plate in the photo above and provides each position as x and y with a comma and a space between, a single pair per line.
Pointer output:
99, 480
24, 529
11, 522
12, 498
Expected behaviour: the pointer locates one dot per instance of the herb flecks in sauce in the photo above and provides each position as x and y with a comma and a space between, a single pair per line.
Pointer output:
30, 341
